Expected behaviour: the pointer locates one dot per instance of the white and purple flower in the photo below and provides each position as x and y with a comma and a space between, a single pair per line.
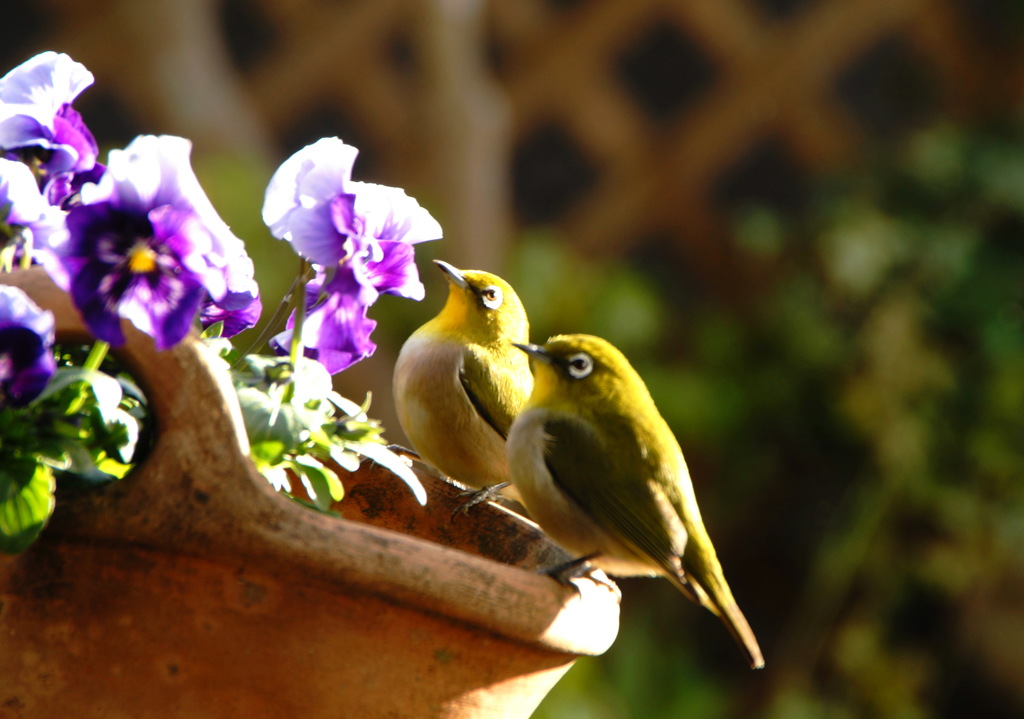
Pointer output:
146, 244
25, 214
358, 236
240, 307
39, 126
26, 348
336, 331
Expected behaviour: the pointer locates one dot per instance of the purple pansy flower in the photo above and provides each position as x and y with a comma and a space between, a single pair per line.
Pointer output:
37, 120
336, 331
26, 348
358, 235
235, 321
26, 212
146, 244
63, 186
240, 308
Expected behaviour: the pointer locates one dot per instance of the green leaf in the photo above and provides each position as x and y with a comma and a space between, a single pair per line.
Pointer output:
223, 348
266, 420
105, 389
7, 252
267, 453
323, 484
306, 503
130, 389
128, 441
312, 380
80, 468
26, 503
62, 379
348, 407
277, 477
214, 331
388, 459
113, 468
107, 392
347, 460
354, 430
317, 489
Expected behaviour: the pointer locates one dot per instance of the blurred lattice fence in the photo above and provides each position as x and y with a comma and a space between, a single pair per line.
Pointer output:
641, 122
634, 127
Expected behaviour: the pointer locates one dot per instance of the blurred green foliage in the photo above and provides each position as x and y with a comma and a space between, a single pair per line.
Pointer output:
855, 430
854, 426
235, 185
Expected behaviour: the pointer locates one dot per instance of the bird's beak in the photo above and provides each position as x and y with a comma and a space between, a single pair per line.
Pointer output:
535, 351
452, 274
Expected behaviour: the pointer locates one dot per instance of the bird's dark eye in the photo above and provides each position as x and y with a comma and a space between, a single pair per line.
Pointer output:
580, 365
491, 297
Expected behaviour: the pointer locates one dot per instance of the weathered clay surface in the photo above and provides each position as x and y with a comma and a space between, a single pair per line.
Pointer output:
192, 589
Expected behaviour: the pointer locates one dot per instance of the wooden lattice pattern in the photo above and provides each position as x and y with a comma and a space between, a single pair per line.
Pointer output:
622, 124
771, 82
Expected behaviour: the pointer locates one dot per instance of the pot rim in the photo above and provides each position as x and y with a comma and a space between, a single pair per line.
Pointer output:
198, 493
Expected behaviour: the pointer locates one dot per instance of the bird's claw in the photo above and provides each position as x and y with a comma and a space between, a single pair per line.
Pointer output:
478, 496
404, 452
578, 568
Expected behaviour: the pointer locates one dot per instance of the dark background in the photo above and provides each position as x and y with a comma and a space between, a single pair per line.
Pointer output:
802, 219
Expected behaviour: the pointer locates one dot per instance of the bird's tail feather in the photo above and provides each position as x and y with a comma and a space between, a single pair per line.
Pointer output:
721, 604
737, 625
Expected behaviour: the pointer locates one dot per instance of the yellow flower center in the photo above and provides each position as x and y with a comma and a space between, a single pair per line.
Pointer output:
141, 258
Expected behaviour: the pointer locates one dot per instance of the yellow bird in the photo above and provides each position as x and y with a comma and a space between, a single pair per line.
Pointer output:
599, 469
459, 381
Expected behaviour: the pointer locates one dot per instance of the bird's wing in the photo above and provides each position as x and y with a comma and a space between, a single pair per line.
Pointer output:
479, 383
616, 490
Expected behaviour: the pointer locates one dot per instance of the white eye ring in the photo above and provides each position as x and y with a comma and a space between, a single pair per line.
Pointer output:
580, 365
491, 297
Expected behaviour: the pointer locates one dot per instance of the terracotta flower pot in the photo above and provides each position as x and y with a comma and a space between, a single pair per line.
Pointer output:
191, 588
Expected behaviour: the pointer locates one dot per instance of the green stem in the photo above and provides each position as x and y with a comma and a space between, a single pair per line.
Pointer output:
97, 354
26, 251
272, 326
299, 299
7, 258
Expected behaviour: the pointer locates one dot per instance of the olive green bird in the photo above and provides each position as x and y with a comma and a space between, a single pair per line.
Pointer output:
600, 471
459, 381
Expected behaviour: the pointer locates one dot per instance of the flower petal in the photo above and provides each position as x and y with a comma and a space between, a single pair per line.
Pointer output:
316, 173
35, 112
313, 235
156, 170
396, 273
26, 347
48, 79
336, 330
392, 215
144, 245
